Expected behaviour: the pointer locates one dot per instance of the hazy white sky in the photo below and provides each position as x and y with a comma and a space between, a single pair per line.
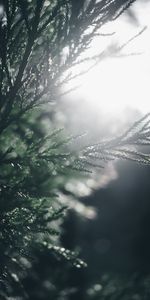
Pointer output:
117, 89
121, 83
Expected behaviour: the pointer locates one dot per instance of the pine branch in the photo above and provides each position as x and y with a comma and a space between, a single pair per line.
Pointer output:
34, 165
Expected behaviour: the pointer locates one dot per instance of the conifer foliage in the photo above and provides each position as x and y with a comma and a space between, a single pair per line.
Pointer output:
35, 164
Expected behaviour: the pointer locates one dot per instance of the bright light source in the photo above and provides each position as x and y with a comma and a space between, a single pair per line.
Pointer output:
119, 83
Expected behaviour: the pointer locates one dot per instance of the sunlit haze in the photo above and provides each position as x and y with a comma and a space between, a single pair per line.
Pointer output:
120, 83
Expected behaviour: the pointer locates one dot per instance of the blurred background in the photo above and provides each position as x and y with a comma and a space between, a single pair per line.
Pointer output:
111, 227
109, 219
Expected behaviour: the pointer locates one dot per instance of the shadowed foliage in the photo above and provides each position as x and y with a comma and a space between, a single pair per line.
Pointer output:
35, 160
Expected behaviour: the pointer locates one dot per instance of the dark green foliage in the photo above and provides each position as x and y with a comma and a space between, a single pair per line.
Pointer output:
34, 163
33, 169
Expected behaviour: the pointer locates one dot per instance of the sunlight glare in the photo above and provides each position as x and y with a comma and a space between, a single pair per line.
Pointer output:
119, 83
